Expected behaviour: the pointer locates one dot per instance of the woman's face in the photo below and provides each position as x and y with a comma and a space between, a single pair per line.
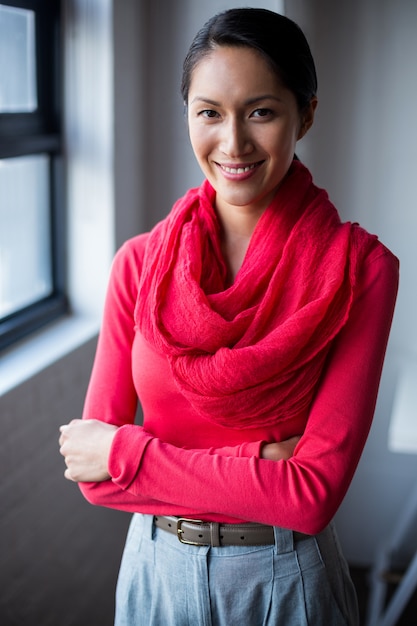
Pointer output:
243, 125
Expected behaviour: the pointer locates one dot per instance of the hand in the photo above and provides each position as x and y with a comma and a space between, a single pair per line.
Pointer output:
281, 450
85, 445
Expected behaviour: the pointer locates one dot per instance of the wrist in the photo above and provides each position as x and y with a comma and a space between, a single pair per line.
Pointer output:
108, 447
269, 451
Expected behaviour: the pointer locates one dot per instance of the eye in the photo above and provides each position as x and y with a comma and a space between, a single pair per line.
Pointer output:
208, 113
262, 113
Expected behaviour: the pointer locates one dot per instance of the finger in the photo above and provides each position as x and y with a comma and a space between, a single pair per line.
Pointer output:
63, 439
68, 476
74, 421
64, 434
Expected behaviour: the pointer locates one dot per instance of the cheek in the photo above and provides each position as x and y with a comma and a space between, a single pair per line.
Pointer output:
200, 142
286, 143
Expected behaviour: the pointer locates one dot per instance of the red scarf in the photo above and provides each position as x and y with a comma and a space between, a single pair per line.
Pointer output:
251, 354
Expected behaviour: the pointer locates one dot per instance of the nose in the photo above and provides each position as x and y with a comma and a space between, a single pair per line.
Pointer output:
235, 140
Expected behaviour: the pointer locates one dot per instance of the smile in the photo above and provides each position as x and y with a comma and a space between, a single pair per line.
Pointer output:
241, 169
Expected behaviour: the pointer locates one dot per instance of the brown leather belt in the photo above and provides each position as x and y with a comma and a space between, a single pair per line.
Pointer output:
197, 533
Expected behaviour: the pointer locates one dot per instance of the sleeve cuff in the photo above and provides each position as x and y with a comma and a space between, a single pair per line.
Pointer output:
126, 454
251, 449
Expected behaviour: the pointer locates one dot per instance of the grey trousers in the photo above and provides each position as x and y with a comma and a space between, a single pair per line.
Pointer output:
292, 583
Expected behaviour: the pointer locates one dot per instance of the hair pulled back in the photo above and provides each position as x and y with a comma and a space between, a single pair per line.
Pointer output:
278, 39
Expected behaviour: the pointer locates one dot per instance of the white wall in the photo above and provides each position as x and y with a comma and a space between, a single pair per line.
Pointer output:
363, 149
129, 97
89, 149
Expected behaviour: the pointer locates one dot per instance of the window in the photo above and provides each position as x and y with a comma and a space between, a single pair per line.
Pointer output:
32, 251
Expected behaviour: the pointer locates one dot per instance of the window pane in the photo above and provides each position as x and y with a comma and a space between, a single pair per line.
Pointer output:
25, 256
17, 61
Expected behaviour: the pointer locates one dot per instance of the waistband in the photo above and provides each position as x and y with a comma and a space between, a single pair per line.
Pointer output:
199, 533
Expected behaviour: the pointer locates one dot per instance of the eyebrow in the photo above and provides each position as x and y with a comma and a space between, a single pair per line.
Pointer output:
247, 102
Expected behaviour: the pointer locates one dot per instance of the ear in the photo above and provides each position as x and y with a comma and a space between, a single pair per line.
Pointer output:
307, 117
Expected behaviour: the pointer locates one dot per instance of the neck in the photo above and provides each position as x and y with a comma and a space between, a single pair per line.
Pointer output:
237, 229
238, 221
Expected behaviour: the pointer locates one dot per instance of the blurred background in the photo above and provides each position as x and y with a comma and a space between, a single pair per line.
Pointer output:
94, 149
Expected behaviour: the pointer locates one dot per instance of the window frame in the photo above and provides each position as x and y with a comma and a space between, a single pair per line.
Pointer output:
34, 133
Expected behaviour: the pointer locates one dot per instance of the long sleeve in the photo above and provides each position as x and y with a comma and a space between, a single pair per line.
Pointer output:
111, 395
304, 492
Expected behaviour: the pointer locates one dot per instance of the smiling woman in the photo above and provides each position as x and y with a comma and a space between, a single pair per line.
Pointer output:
262, 314
245, 141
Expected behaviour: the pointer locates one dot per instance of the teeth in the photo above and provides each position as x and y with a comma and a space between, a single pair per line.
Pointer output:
238, 170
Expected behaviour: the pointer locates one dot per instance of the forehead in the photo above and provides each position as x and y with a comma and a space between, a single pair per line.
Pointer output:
231, 68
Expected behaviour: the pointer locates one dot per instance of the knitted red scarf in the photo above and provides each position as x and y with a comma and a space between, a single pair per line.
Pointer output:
251, 354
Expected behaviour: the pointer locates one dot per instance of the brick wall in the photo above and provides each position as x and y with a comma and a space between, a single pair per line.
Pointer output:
59, 556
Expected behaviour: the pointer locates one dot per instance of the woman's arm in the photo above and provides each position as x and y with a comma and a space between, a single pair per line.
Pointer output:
111, 399
305, 491
86, 446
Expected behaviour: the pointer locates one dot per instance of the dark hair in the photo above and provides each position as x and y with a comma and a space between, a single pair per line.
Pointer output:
278, 39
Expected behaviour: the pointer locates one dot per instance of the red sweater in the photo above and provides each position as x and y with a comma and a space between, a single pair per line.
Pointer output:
181, 464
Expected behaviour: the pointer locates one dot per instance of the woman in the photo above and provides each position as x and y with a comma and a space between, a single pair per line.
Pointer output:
252, 325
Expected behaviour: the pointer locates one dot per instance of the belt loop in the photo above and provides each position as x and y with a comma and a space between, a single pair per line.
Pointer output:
147, 524
284, 540
215, 534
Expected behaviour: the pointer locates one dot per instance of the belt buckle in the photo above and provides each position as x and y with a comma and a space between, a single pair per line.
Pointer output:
180, 522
